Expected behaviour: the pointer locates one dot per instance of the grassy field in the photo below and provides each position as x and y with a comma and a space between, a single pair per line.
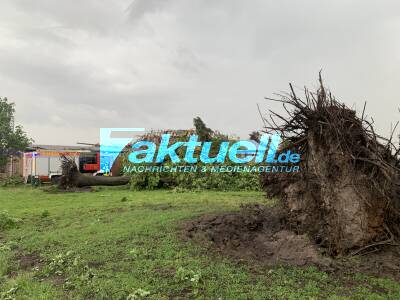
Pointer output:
120, 244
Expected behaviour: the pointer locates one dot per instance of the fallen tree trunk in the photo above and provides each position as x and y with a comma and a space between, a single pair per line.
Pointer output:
71, 177
83, 180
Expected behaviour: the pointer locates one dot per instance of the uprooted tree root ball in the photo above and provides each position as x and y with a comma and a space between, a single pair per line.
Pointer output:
346, 196
344, 201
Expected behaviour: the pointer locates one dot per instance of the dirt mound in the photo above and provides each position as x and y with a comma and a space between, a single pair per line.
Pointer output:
260, 234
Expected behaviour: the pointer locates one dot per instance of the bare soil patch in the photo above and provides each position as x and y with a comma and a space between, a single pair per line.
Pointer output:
29, 261
260, 234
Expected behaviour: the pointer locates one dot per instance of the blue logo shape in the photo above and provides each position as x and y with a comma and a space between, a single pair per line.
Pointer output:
111, 147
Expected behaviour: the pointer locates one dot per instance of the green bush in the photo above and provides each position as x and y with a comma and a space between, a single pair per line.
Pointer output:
223, 181
7, 221
180, 181
11, 181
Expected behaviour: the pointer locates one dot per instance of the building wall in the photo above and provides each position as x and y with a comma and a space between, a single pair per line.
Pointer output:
13, 167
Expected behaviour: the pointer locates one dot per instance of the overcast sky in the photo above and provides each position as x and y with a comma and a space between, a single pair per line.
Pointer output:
74, 66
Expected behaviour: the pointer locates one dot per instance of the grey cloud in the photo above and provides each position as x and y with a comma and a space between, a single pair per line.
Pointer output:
138, 8
91, 15
76, 66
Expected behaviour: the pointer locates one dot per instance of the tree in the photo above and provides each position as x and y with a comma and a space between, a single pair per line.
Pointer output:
255, 136
72, 178
12, 138
204, 133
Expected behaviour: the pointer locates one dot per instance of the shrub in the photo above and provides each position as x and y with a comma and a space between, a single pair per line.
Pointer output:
7, 221
11, 181
222, 181
198, 180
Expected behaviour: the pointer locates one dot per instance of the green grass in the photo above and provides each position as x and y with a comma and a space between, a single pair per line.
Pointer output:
120, 244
